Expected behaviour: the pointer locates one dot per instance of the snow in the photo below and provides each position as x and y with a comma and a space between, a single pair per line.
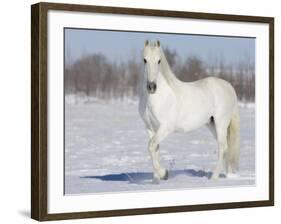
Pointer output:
106, 151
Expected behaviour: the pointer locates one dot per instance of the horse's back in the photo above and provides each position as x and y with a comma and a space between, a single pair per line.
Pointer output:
218, 86
223, 93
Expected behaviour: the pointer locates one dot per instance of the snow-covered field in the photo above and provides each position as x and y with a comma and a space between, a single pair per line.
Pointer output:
106, 151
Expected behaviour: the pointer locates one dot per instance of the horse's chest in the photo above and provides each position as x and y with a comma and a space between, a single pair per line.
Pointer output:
157, 107
157, 110
152, 120
151, 115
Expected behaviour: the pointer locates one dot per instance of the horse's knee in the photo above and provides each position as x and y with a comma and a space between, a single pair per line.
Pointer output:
152, 145
157, 148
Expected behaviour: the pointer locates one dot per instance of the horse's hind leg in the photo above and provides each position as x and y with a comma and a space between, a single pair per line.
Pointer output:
212, 127
221, 131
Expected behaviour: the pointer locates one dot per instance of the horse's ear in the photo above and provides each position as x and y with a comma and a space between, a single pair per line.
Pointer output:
146, 43
158, 43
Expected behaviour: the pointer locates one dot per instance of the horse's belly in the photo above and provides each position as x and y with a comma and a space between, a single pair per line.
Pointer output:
193, 118
191, 124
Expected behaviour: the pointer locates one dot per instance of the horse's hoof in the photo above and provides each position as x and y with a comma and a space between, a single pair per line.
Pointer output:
214, 177
156, 180
166, 175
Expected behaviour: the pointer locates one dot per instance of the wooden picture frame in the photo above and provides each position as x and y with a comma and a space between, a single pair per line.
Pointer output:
39, 110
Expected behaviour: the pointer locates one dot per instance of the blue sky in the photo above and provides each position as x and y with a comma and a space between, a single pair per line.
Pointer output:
121, 46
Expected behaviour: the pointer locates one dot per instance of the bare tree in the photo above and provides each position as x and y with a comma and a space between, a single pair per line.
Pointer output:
192, 69
97, 76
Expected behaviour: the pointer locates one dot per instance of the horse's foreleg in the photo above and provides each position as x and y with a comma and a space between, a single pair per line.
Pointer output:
155, 162
154, 156
159, 172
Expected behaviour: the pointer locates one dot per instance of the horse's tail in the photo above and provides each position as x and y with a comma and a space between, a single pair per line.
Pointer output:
233, 142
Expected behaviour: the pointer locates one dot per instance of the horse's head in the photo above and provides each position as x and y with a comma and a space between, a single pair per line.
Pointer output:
152, 60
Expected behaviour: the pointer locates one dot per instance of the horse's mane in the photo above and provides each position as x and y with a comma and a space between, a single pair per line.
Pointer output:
166, 70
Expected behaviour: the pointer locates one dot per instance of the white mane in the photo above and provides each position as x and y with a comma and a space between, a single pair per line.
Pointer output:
166, 70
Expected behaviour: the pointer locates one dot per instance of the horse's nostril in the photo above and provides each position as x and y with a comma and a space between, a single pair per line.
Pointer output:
151, 87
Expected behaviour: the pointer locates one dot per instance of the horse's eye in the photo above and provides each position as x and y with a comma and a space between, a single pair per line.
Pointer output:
159, 61
144, 60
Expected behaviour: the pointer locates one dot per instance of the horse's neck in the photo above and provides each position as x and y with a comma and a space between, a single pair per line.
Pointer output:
166, 71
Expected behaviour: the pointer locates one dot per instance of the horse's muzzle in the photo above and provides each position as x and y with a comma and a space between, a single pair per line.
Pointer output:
151, 87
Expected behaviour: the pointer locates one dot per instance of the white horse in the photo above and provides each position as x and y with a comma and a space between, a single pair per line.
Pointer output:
169, 105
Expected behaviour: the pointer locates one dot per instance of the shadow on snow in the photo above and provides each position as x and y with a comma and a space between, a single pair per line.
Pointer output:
142, 177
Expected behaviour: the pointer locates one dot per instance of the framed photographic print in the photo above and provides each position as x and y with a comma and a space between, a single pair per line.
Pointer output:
139, 111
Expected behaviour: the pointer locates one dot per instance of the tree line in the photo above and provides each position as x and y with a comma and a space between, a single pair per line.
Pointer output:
95, 75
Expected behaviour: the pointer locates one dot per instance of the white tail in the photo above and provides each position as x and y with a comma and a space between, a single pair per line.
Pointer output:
233, 142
